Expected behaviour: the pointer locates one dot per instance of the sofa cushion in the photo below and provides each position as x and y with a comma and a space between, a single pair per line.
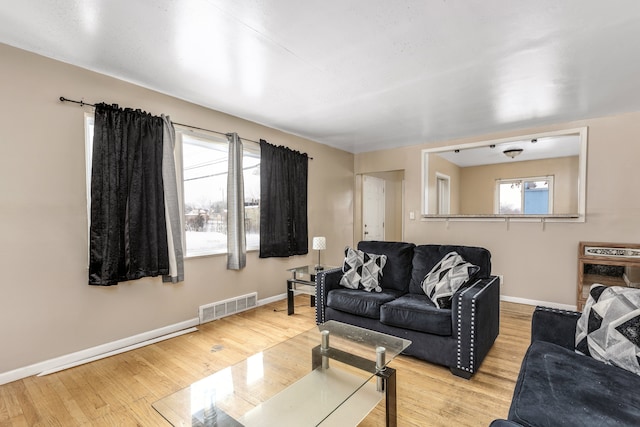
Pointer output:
359, 302
416, 312
609, 328
425, 257
446, 277
397, 271
559, 387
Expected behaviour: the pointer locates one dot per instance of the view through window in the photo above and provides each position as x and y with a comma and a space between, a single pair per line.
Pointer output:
525, 196
205, 166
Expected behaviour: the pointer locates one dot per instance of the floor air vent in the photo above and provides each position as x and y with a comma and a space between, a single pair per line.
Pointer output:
219, 309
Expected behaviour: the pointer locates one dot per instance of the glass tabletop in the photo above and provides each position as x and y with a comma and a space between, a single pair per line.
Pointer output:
287, 385
309, 270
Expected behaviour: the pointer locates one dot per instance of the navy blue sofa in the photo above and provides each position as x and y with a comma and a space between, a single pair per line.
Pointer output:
558, 387
459, 337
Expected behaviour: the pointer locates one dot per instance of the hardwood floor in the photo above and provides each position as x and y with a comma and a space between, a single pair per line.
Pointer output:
119, 390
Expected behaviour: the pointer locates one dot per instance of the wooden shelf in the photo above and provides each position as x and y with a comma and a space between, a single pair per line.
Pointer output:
590, 279
605, 257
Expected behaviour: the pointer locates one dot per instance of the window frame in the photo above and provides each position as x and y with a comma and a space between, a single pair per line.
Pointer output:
249, 148
522, 181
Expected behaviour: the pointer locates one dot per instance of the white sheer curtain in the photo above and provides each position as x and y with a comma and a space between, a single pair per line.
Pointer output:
173, 212
236, 239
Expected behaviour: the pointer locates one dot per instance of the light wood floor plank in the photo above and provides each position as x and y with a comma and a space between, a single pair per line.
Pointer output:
119, 390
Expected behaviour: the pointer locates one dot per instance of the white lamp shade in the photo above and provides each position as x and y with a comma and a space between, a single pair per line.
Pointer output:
319, 243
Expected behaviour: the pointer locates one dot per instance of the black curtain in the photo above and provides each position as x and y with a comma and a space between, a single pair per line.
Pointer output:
283, 201
128, 235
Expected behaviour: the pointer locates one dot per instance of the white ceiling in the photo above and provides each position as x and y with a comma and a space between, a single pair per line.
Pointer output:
360, 75
532, 149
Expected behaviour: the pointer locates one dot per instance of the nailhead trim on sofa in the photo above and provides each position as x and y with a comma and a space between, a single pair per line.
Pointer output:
557, 310
470, 367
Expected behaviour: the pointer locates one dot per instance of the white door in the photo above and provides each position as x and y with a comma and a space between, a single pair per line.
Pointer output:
372, 208
443, 193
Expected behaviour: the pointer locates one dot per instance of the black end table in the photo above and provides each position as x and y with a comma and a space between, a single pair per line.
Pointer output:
303, 281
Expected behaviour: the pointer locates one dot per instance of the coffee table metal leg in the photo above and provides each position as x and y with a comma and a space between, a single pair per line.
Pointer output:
388, 376
290, 297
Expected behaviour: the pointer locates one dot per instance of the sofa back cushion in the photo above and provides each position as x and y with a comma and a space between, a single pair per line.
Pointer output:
425, 257
397, 270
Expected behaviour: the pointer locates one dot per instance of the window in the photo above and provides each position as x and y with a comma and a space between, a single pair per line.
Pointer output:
204, 161
524, 196
204, 171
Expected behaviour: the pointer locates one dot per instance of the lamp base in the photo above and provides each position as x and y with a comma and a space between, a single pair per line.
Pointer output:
319, 267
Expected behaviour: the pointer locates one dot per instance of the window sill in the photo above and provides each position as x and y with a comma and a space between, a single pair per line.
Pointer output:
507, 218
216, 254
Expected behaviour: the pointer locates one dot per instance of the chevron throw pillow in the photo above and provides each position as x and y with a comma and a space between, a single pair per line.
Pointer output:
446, 277
372, 271
361, 270
609, 328
352, 268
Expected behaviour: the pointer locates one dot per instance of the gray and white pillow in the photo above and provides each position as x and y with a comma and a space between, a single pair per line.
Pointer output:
609, 328
372, 271
352, 268
446, 277
362, 270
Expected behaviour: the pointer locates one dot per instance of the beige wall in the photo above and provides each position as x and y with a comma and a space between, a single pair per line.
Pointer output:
538, 261
46, 307
479, 183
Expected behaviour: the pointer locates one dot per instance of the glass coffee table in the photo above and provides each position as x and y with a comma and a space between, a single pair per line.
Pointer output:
331, 375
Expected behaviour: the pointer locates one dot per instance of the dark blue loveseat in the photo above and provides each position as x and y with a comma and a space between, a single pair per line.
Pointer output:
459, 337
558, 387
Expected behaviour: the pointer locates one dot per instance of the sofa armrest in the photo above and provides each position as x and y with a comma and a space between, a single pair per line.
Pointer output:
555, 326
325, 281
504, 423
476, 323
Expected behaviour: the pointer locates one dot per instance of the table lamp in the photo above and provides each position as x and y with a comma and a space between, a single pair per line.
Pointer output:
319, 244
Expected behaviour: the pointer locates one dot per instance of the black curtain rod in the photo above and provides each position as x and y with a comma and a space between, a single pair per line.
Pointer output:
82, 104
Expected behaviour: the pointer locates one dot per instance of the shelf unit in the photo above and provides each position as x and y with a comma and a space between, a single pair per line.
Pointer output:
604, 263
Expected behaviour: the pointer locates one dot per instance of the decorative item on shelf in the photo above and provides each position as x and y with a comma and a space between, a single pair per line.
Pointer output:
319, 244
513, 152
631, 276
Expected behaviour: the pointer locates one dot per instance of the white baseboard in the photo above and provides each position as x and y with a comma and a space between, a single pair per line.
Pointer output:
272, 299
98, 352
536, 302
109, 349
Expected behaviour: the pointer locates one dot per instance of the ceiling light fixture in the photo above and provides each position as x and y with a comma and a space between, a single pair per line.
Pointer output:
513, 152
